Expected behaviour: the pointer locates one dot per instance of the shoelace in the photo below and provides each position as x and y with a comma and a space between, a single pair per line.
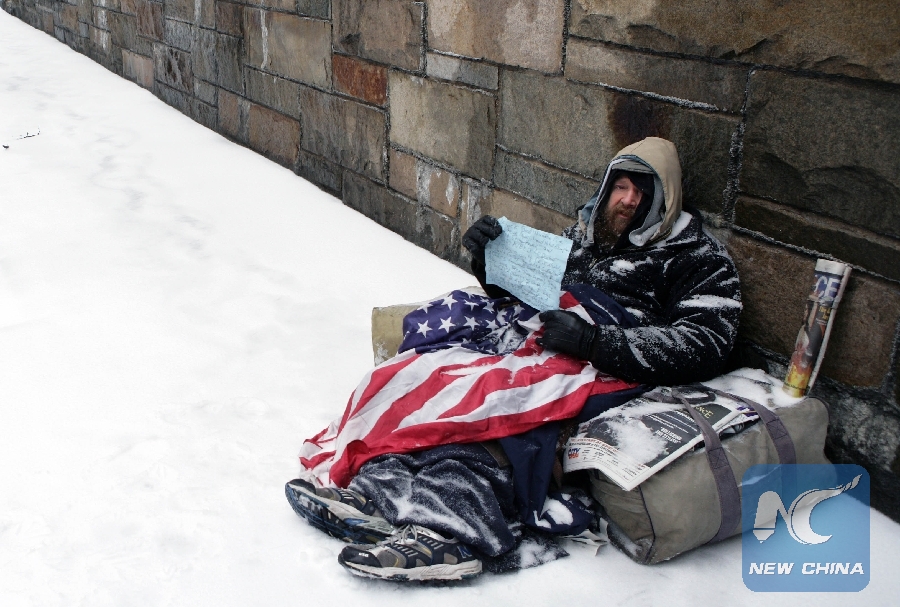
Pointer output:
408, 534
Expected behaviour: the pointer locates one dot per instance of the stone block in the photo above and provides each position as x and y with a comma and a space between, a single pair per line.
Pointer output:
230, 18
173, 67
47, 21
580, 128
129, 7
122, 29
181, 10
232, 117
274, 92
775, 283
320, 9
173, 97
437, 188
403, 173
515, 208
862, 340
206, 16
526, 33
178, 34
204, 113
693, 80
325, 174
550, 187
379, 204
100, 19
138, 68
847, 243
360, 79
290, 46
474, 195
83, 30
85, 10
204, 55
68, 17
474, 73
280, 5
416, 223
387, 31
824, 146
345, 132
830, 36
150, 19
274, 135
142, 46
453, 125
230, 62
100, 39
206, 92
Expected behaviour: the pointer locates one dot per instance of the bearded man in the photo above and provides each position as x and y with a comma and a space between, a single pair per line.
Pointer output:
674, 297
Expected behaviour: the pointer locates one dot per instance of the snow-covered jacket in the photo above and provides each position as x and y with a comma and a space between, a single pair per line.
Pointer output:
675, 279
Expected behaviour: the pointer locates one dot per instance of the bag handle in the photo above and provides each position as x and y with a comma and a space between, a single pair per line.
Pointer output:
723, 474
774, 426
726, 485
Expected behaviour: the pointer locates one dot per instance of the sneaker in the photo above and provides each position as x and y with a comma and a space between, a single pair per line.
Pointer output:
413, 554
340, 513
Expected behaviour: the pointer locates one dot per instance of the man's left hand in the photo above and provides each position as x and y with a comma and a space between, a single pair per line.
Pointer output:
568, 333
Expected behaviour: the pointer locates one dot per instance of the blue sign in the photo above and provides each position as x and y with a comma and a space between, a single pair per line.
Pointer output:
805, 528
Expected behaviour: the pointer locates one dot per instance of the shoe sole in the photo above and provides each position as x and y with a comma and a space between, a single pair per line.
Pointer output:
337, 519
431, 573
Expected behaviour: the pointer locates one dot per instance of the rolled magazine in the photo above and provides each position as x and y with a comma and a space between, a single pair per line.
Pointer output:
828, 289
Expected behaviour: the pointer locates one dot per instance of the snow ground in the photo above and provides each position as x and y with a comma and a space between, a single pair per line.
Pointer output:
176, 315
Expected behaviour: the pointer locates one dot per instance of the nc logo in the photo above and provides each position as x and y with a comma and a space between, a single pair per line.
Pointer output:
797, 516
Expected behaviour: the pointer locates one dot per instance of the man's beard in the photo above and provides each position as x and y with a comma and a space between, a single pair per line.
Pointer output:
605, 231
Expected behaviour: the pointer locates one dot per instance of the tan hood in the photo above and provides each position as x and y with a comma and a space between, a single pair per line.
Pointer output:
654, 156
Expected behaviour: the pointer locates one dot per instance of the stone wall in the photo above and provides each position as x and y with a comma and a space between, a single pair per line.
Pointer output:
425, 115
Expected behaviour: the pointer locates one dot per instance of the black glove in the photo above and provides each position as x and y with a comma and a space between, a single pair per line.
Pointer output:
479, 234
568, 333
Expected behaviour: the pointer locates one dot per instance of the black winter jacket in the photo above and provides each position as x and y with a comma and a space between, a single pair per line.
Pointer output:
683, 291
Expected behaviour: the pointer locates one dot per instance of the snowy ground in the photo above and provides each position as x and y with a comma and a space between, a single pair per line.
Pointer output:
176, 315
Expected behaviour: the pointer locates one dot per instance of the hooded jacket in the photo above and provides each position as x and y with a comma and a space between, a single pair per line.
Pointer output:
675, 279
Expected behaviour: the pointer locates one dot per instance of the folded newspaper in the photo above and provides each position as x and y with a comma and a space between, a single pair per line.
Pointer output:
631, 443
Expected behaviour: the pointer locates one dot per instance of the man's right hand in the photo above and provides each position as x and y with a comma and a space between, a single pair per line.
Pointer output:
479, 234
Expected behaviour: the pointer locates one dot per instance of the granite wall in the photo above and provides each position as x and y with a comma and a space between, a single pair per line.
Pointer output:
425, 115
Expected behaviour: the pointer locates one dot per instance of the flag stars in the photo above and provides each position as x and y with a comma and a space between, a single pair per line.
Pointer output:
472, 305
424, 307
449, 301
471, 322
492, 325
446, 325
424, 328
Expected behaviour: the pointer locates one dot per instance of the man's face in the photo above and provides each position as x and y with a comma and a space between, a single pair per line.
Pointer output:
623, 202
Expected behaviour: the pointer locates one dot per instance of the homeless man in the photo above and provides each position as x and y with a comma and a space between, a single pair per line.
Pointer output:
664, 301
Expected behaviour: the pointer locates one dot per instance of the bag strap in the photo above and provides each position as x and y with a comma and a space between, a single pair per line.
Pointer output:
787, 454
726, 485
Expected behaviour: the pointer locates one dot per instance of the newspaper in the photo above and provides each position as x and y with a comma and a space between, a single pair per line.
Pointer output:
631, 443
828, 288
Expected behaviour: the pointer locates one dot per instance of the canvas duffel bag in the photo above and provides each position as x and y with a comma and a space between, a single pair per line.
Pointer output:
696, 499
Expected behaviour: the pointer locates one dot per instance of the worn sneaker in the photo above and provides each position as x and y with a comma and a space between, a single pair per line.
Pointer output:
340, 513
413, 554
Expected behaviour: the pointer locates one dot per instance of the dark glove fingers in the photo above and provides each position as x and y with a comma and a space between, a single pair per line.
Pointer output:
568, 333
479, 234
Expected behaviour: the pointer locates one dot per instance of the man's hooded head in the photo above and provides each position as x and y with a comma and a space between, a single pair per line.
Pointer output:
650, 161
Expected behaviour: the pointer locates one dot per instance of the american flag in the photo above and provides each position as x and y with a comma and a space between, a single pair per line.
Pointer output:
469, 370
